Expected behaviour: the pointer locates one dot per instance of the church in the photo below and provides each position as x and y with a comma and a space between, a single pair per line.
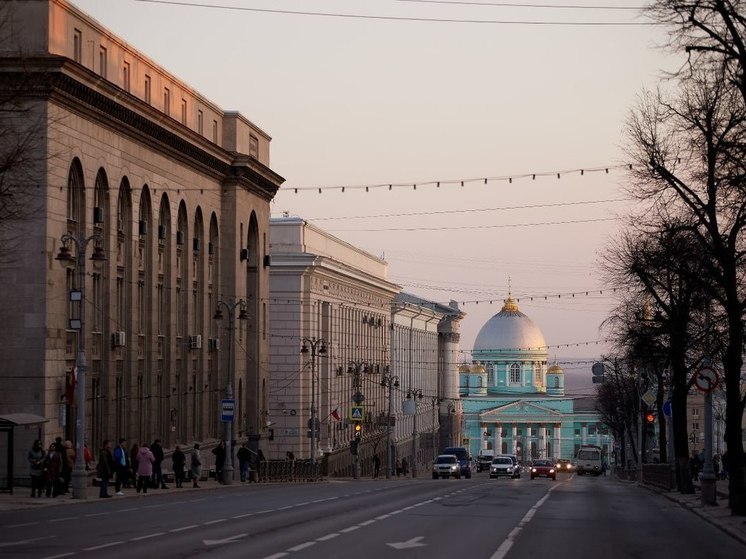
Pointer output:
514, 402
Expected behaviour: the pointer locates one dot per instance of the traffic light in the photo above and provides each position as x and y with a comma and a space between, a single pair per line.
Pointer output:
358, 431
650, 418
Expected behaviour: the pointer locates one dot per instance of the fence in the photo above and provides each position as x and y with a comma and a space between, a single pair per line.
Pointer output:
289, 470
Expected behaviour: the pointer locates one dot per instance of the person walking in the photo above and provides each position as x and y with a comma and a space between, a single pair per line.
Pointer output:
244, 456
157, 451
178, 462
133, 463
195, 468
121, 469
68, 462
376, 465
53, 467
104, 469
145, 464
404, 467
35, 459
219, 452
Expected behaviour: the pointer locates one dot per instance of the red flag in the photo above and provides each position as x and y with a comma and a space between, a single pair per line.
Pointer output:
71, 380
335, 414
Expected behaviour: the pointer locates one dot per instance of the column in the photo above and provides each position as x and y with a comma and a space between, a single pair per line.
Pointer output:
514, 434
498, 438
583, 433
543, 441
558, 440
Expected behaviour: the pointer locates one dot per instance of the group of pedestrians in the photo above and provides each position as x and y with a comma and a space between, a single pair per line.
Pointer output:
51, 470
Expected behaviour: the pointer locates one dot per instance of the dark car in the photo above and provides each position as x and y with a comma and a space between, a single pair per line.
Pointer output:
483, 462
543, 468
464, 459
564, 465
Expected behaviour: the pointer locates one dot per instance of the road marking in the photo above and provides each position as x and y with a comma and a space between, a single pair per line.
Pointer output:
64, 519
350, 529
23, 542
218, 521
414, 542
328, 537
242, 515
93, 514
383, 516
230, 539
58, 556
276, 555
95, 547
505, 546
21, 525
302, 546
126, 510
367, 522
147, 537
184, 528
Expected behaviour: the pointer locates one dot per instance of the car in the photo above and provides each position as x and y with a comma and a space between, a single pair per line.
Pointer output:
543, 468
564, 465
464, 459
445, 466
504, 466
484, 461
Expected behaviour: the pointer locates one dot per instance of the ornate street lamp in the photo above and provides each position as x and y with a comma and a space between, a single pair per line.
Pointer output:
391, 382
79, 476
318, 348
230, 307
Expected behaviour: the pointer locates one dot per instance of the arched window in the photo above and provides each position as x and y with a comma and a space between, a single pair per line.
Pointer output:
556, 382
75, 192
515, 373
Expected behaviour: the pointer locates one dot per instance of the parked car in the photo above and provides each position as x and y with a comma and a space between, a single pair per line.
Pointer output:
504, 466
445, 466
564, 465
543, 468
464, 459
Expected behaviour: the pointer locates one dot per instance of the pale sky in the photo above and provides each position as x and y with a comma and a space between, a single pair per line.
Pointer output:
362, 101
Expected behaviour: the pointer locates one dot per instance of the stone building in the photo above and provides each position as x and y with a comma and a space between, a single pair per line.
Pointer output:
136, 166
369, 349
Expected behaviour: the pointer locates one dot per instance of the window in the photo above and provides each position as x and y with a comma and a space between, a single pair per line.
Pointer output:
147, 88
126, 77
253, 146
200, 122
695, 426
78, 45
102, 61
215, 131
166, 101
515, 374
183, 111
537, 374
695, 412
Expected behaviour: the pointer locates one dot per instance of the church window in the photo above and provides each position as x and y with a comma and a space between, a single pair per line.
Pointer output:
537, 374
556, 382
490, 376
479, 382
515, 373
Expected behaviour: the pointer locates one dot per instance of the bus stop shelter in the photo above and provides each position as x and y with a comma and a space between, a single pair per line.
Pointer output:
8, 427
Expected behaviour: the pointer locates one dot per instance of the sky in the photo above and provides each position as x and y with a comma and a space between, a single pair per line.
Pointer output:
402, 93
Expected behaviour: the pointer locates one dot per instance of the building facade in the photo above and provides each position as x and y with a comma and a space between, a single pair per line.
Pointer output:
381, 348
133, 164
513, 403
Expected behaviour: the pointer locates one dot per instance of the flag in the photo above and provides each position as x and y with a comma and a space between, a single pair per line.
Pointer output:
71, 380
335, 414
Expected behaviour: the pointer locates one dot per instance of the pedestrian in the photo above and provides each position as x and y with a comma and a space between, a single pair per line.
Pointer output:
35, 459
87, 456
121, 467
244, 456
53, 468
157, 451
145, 465
195, 468
133, 463
219, 452
289, 455
398, 467
68, 463
694, 466
178, 462
104, 469
376, 465
404, 467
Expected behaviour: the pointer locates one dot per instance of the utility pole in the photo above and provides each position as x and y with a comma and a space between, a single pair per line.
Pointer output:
392, 382
414, 394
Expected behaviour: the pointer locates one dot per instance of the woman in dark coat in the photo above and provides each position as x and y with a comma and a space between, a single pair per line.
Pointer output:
178, 463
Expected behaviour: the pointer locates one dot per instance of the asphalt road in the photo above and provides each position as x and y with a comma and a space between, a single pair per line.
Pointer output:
574, 517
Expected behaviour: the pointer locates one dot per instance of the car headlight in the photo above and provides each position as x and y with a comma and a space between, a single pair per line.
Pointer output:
551, 471
533, 470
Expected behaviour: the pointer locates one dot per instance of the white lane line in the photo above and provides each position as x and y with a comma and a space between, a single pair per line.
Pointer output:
183, 528
301, 547
367, 522
350, 529
95, 547
218, 521
59, 556
96, 514
265, 511
126, 510
242, 515
155, 535
286, 508
505, 546
64, 519
328, 537
383, 516
22, 525
276, 555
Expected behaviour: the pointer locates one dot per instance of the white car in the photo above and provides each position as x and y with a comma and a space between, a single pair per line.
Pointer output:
446, 465
504, 466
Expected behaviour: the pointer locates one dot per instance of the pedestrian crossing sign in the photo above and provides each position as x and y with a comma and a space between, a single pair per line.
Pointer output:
357, 413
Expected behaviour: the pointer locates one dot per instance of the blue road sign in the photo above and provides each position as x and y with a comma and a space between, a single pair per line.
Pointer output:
227, 410
667, 409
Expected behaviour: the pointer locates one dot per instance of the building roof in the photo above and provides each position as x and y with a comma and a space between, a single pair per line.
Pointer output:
509, 329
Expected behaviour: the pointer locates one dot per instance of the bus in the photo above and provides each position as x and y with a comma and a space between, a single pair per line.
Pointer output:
588, 461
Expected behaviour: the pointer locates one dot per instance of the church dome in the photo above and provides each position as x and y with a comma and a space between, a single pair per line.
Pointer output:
554, 368
509, 329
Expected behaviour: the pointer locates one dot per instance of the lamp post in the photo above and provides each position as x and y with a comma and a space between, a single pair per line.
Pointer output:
79, 476
318, 347
391, 382
355, 368
228, 419
413, 394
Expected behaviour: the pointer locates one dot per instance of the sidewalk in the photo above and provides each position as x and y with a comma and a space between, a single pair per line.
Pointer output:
719, 515
21, 497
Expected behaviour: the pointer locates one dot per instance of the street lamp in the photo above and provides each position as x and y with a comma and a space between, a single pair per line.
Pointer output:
318, 347
79, 476
242, 315
356, 368
391, 382
413, 394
